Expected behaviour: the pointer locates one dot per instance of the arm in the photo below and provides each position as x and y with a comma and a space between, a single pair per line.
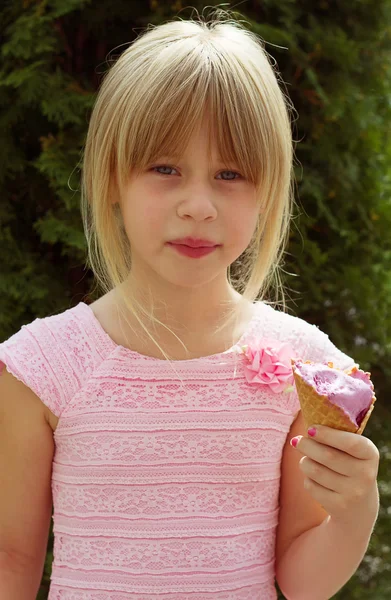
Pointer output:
18, 580
26, 452
321, 560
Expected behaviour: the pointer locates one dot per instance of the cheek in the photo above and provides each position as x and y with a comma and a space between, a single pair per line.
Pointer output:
243, 223
150, 216
145, 218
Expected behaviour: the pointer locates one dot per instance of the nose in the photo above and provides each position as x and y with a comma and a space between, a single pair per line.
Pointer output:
198, 205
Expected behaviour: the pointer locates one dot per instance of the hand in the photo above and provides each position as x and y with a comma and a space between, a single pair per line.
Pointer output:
341, 470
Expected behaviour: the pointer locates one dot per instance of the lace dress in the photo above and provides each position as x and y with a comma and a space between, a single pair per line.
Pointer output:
165, 478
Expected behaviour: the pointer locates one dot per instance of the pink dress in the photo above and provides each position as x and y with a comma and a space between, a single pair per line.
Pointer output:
164, 487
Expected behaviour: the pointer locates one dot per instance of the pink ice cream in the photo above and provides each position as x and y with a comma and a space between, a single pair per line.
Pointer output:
353, 393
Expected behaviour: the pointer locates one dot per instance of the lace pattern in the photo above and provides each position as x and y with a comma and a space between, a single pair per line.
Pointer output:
162, 487
262, 591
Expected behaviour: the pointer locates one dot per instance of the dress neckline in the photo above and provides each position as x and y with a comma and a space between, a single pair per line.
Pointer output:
111, 344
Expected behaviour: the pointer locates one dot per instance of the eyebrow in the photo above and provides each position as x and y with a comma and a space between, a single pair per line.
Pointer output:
176, 157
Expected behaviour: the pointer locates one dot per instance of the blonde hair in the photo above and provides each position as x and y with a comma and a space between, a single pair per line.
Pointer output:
149, 103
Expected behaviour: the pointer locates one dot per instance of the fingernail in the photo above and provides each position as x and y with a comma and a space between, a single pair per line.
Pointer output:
311, 431
296, 440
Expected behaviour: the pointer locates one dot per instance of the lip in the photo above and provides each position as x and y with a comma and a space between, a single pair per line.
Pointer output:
190, 252
194, 242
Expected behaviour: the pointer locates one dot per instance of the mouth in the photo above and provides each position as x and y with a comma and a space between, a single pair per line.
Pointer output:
194, 243
193, 251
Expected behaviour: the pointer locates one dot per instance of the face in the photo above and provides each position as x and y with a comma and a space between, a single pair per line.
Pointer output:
190, 197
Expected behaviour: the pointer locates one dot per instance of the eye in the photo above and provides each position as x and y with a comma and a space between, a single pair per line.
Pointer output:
156, 169
235, 174
231, 178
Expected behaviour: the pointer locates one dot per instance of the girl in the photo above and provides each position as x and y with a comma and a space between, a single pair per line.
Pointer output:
158, 418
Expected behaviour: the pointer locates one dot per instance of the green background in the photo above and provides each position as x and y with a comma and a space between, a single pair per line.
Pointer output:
335, 60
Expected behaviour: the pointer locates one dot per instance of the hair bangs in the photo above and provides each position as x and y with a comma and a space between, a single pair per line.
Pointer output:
190, 88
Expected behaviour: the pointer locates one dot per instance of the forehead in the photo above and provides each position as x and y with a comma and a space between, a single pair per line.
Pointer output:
202, 139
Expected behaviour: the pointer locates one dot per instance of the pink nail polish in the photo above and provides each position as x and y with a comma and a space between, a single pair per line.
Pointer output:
295, 441
311, 431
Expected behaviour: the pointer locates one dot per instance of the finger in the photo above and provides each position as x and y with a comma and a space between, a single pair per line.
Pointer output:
356, 445
334, 459
326, 498
323, 476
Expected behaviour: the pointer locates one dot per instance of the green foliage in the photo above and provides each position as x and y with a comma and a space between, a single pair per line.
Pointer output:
334, 57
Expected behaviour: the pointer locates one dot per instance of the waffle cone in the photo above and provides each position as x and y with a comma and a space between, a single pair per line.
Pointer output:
317, 409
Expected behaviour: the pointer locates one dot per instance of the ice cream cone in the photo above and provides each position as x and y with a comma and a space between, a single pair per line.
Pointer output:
317, 408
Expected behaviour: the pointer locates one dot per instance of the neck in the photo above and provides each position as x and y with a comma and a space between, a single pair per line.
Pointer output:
200, 322
187, 310
190, 313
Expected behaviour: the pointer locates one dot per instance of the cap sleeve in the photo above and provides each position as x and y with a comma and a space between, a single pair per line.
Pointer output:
53, 356
321, 349
31, 361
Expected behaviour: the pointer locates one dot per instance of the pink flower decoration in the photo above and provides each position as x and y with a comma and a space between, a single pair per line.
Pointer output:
269, 364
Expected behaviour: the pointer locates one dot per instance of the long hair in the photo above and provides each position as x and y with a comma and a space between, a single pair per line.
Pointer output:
150, 101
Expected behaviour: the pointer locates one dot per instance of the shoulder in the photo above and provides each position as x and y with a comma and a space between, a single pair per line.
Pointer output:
285, 326
44, 334
285, 322
307, 340
53, 355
